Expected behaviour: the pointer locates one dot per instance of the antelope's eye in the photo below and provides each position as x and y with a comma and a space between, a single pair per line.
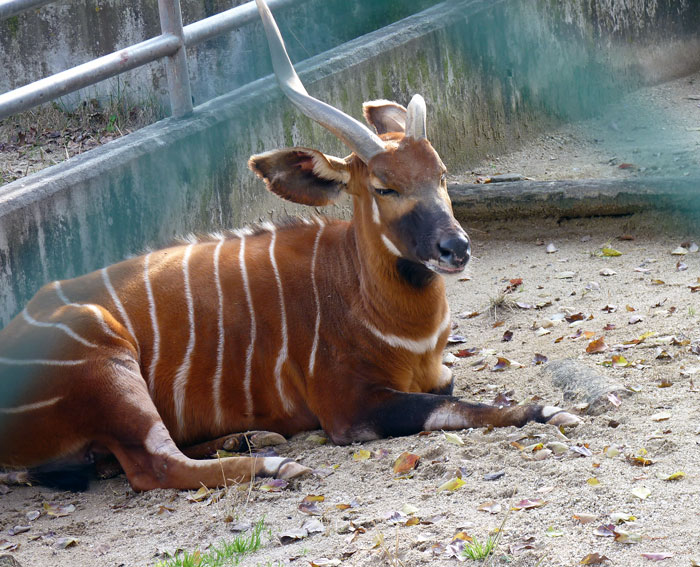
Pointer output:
383, 191
443, 178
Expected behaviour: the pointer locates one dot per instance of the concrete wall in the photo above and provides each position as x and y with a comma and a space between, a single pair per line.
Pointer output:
493, 73
66, 33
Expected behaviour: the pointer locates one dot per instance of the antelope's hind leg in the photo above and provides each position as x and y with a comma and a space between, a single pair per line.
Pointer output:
135, 433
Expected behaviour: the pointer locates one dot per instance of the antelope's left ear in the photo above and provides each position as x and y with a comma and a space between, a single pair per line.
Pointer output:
385, 116
302, 175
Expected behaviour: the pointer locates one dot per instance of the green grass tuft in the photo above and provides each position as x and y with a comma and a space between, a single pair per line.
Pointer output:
226, 553
479, 551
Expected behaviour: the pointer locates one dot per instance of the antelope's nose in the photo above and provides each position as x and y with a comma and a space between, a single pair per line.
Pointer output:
455, 250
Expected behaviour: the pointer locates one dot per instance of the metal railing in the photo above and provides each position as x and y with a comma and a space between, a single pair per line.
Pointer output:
171, 45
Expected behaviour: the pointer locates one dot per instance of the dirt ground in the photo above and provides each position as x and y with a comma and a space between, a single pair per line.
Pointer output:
366, 507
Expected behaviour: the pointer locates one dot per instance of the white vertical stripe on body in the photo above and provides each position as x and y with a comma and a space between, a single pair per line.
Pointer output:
30, 407
284, 348
375, 211
118, 304
222, 337
251, 345
317, 327
183, 372
60, 326
38, 361
94, 308
155, 355
390, 246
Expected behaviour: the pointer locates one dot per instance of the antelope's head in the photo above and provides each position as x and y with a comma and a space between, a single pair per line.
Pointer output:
395, 176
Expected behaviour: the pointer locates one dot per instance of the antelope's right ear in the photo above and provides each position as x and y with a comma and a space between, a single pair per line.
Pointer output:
302, 175
385, 116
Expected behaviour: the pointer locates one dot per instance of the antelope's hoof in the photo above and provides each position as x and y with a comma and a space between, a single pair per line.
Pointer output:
259, 439
243, 442
560, 418
292, 469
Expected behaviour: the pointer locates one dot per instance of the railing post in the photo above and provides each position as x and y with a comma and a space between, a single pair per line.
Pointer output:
176, 65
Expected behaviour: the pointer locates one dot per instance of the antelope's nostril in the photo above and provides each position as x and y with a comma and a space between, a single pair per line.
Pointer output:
455, 250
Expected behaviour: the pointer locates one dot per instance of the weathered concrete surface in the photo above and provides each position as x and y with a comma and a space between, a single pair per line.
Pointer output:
575, 198
492, 73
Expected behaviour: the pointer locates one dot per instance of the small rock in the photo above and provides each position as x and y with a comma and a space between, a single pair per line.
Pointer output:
680, 251
8, 560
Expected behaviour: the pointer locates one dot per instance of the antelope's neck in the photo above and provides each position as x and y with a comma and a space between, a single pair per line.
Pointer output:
395, 297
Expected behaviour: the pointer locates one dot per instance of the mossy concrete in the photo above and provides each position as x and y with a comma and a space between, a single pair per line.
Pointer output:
493, 73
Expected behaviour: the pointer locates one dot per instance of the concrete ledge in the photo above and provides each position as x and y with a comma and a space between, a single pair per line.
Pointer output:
574, 198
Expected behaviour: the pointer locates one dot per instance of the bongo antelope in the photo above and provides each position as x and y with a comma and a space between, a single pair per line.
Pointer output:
286, 328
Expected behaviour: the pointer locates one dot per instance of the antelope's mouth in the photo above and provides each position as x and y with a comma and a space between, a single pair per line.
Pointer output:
442, 267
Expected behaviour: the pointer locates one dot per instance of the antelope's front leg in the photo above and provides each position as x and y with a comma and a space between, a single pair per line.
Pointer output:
388, 412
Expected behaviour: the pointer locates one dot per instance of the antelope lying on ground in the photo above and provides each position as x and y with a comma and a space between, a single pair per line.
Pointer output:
322, 323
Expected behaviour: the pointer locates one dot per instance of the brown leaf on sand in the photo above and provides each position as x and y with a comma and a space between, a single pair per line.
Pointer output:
593, 559
309, 505
405, 462
598, 345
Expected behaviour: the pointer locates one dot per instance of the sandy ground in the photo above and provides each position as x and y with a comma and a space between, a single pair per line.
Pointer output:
114, 526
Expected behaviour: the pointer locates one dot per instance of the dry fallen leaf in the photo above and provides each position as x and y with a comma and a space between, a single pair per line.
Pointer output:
58, 511
290, 536
596, 346
522, 545
593, 559
361, 455
565, 275
641, 492
65, 542
623, 536
539, 359
453, 438
610, 252
405, 462
674, 476
309, 504
585, 518
467, 352
529, 503
621, 517
553, 532
490, 507
274, 485
661, 416
324, 562
452, 485
657, 556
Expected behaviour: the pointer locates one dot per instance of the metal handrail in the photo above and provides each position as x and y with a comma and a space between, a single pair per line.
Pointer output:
171, 44
9, 8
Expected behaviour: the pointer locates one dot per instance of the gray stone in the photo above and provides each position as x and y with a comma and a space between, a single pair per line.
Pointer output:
583, 384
